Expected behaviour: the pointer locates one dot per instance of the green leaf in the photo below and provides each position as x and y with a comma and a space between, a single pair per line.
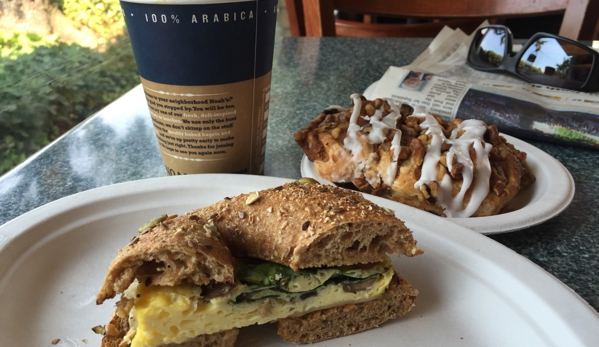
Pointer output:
46, 86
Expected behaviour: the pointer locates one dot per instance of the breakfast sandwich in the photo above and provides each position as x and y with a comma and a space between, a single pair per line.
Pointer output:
458, 168
297, 255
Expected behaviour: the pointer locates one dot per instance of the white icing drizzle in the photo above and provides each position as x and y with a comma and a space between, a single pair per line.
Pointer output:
376, 136
472, 136
472, 132
351, 142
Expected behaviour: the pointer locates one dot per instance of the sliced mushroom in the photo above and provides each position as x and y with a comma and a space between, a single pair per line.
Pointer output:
354, 287
215, 290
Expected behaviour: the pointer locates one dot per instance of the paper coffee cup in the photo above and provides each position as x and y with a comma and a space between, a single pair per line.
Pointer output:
205, 68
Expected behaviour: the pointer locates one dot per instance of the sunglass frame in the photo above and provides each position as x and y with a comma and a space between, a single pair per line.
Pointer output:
510, 60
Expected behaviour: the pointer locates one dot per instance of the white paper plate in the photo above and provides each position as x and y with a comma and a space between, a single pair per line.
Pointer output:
473, 291
551, 193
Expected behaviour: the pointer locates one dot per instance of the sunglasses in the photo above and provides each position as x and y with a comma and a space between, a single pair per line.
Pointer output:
544, 59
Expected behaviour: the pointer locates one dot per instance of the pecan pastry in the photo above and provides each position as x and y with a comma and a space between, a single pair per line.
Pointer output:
459, 168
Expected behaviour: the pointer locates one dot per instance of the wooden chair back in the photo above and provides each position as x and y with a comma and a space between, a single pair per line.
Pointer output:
317, 17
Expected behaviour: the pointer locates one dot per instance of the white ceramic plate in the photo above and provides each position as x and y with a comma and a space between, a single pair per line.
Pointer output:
551, 193
473, 291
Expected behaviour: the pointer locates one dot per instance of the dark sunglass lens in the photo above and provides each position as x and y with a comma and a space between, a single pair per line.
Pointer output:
489, 47
556, 63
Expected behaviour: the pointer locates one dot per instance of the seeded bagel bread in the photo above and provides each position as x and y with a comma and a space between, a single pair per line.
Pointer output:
298, 225
309, 225
167, 252
350, 319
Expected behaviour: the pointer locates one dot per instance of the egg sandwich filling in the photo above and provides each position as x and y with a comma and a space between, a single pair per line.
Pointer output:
263, 292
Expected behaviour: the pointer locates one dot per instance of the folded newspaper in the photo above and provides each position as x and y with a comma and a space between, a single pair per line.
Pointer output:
440, 81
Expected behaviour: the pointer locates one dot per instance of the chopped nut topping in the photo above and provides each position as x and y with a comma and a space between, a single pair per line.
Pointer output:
456, 171
335, 132
241, 214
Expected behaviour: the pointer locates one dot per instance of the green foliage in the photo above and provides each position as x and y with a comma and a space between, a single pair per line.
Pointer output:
46, 89
14, 44
104, 17
491, 57
47, 86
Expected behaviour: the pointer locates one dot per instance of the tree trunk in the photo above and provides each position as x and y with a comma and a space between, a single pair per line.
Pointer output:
32, 16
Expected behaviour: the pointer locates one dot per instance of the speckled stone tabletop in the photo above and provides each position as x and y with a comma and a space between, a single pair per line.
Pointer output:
118, 144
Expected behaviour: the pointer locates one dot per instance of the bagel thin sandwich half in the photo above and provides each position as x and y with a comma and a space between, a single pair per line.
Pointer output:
298, 255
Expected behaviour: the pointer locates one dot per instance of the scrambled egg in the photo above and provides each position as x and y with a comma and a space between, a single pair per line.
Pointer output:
165, 315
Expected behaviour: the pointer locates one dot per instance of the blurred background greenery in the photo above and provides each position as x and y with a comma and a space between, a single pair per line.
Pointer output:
60, 61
